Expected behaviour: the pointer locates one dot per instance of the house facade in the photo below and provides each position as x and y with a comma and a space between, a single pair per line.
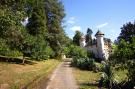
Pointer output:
101, 47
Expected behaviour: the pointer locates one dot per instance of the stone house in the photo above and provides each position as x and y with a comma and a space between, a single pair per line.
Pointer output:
101, 47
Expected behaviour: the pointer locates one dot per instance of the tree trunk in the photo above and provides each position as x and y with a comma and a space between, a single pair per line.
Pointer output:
23, 59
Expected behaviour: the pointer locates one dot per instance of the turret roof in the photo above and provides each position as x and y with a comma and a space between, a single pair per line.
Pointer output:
99, 33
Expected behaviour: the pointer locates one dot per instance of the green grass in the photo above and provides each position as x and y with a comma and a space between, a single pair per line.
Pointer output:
17, 76
86, 79
89, 79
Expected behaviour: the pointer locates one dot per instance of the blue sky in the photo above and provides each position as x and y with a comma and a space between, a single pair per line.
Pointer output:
105, 15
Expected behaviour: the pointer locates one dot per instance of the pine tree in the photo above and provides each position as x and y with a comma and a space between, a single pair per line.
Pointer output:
37, 21
76, 38
88, 36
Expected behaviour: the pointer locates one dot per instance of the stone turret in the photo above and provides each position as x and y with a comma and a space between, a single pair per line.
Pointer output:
82, 41
100, 44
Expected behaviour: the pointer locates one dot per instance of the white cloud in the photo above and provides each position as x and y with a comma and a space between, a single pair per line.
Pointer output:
102, 25
75, 28
71, 20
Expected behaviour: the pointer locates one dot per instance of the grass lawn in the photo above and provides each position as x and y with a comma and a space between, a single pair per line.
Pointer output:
16, 76
86, 79
89, 79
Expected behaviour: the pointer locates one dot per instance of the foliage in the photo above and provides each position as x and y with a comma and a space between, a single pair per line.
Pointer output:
107, 78
6, 51
37, 24
124, 52
131, 71
90, 54
83, 63
43, 37
76, 38
56, 36
88, 36
40, 50
75, 51
11, 32
127, 32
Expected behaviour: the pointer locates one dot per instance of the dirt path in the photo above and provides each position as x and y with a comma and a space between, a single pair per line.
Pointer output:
62, 78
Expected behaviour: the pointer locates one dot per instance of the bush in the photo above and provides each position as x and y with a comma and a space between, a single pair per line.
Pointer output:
77, 51
41, 51
131, 71
90, 54
6, 51
83, 63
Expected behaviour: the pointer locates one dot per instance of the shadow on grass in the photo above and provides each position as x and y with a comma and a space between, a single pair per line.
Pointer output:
89, 84
15, 60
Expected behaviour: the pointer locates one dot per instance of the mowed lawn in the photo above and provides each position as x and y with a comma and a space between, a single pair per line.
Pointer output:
16, 76
89, 79
86, 79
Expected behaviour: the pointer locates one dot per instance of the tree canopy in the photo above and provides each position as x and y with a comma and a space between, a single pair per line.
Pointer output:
43, 37
76, 38
127, 32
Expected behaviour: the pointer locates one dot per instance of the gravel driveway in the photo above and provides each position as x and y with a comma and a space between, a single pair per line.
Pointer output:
62, 78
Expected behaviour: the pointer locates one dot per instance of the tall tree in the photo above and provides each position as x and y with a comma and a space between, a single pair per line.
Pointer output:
37, 21
76, 38
88, 36
127, 32
56, 36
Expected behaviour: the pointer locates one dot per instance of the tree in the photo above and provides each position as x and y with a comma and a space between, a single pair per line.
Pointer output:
127, 32
42, 37
56, 36
88, 36
76, 38
11, 29
37, 21
124, 52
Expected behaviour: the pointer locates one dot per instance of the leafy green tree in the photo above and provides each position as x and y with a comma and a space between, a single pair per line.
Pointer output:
124, 52
56, 36
11, 29
42, 37
76, 38
127, 32
55, 13
15, 5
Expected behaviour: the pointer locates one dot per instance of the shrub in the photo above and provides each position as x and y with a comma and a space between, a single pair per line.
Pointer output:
108, 78
83, 63
90, 54
131, 71
77, 51
6, 51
